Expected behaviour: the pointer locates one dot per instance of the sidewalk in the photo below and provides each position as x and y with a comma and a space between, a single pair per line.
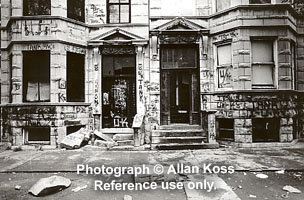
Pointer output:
26, 167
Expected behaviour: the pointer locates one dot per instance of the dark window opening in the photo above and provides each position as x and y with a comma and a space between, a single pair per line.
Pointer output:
76, 10
38, 135
75, 77
175, 57
73, 129
118, 91
259, 1
36, 76
119, 11
226, 129
265, 130
36, 7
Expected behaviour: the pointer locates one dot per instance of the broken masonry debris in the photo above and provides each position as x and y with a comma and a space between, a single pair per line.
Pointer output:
103, 136
262, 176
127, 197
49, 185
76, 139
78, 188
252, 196
291, 189
102, 140
18, 187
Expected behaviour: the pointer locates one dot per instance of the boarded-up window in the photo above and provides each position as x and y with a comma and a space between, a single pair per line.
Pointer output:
179, 57
265, 130
226, 129
36, 7
76, 9
36, 76
259, 1
224, 66
40, 135
119, 11
222, 4
75, 77
262, 62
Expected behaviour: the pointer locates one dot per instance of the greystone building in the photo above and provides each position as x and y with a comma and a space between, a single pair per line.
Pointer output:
194, 72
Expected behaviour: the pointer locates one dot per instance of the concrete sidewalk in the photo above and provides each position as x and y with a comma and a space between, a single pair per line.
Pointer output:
254, 159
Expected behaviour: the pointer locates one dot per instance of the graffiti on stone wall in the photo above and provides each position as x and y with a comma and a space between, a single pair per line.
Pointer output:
95, 14
225, 79
36, 28
61, 97
141, 83
74, 49
76, 32
225, 36
40, 46
250, 105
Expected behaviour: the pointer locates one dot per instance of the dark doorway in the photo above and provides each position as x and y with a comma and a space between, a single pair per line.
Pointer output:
118, 91
265, 130
180, 101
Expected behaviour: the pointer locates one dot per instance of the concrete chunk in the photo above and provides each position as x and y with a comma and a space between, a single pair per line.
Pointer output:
73, 140
49, 185
103, 136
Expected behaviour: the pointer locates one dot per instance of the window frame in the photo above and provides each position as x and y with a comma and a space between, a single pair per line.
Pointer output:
26, 131
119, 12
27, 78
221, 121
271, 2
217, 66
73, 15
273, 63
25, 9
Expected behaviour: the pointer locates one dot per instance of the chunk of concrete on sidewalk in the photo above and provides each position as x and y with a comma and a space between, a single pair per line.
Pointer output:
103, 136
74, 140
49, 185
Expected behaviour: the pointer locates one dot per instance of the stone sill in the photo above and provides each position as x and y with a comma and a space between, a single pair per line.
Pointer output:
45, 104
251, 91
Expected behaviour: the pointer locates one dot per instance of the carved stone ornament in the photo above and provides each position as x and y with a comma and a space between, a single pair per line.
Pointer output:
117, 50
178, 39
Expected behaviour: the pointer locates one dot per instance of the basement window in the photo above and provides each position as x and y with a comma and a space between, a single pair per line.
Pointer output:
76, 10
75, 77
226, 129
265, 130
36, 76
38, 135
73, 129
36, 7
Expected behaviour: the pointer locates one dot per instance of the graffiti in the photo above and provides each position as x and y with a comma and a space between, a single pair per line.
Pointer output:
119, 91
62, 84
61, 97
76, 33
80, 109
96, 94
74, 49
225, 36
43, 46
205, 87
225, 79
36, 28
206, 74
211, 127
140, 83
95, 14
120, 122
105, 99
153, 87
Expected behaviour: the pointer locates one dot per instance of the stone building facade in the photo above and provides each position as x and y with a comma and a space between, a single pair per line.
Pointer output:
234, 69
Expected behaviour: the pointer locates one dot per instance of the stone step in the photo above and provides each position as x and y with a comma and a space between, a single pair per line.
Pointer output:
117, 131
125, 143
122, 137
177, 133
179, 127
184, 140
177, 146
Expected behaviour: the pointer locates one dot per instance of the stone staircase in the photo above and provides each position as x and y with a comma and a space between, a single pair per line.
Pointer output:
180, 136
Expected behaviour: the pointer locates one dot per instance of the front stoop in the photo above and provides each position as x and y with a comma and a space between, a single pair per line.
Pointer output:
180, 137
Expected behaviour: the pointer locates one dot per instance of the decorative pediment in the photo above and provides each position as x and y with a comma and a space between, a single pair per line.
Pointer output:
117, 36
179, 24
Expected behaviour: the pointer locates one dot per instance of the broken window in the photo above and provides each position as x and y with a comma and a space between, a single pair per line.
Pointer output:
259, 1
118, 91
36, 76
226, 129
265, 130
222, 5
75, 77
174, 57
119, 11
36, 7
224, 66
76, 10
37, 135
262, 63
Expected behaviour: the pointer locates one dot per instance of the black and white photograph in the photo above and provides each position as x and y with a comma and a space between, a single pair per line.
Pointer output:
152, 99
